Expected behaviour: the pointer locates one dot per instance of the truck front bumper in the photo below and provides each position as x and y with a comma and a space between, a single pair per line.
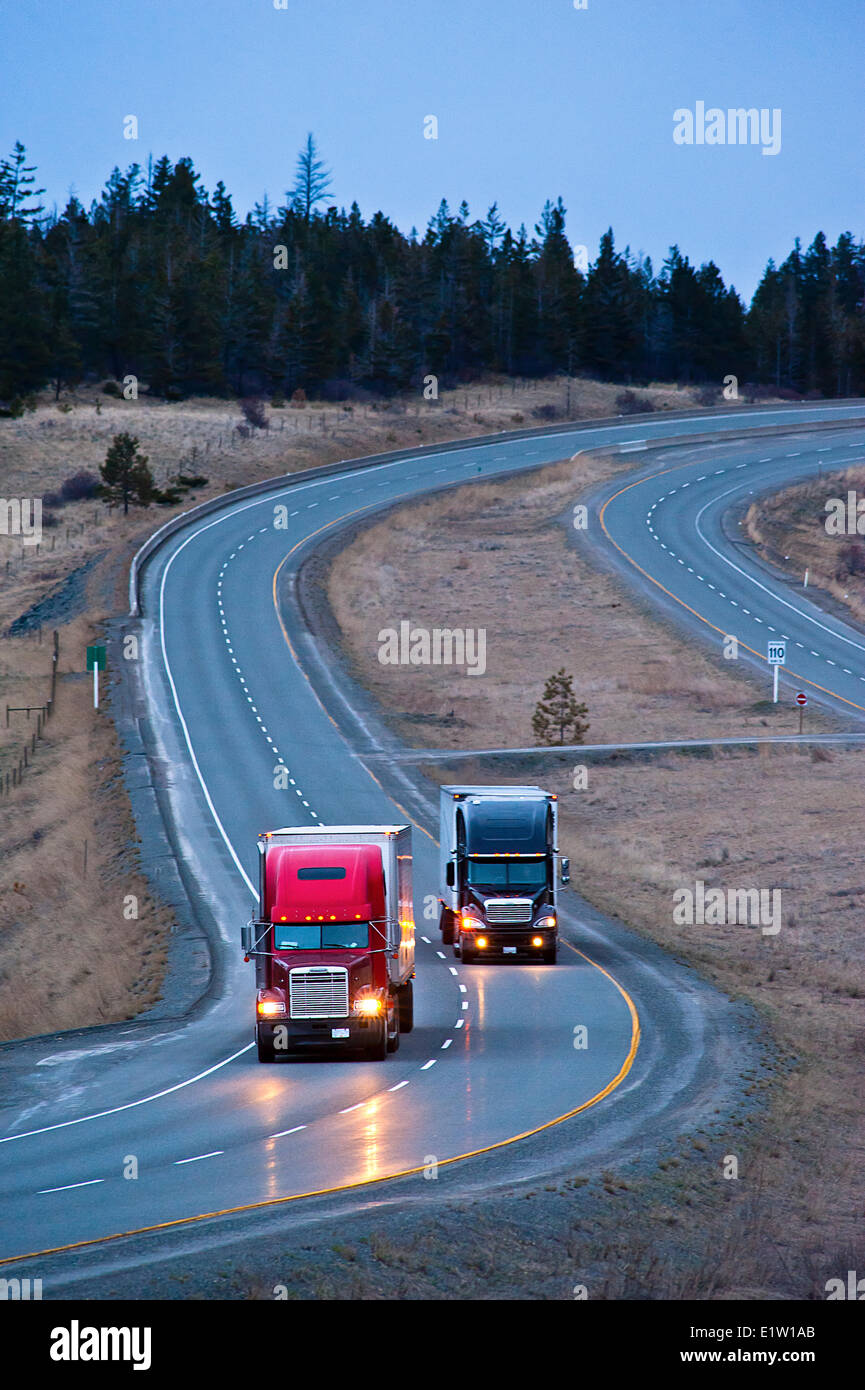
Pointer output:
508, 941
288, 1033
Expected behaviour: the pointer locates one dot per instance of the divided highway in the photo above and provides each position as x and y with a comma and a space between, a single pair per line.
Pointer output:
152, 1123
668, 528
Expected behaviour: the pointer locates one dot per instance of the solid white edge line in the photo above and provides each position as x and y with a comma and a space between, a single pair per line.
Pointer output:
130, 1105
69, 1185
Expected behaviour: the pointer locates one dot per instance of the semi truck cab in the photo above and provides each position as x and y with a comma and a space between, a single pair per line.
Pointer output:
333, 942
500, 871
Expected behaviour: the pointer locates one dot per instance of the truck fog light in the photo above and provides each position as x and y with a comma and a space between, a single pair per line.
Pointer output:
480, 941
537, 941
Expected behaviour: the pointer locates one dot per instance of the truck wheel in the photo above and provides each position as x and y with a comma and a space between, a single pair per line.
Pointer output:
405, 999
377, 1050
466, 953
446, 926
549, 956
265, 1048
393, 1041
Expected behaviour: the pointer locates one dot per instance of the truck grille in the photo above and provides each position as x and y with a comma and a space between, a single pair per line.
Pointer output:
318, 992
508, 911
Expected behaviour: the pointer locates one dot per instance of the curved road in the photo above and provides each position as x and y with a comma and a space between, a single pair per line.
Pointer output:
140, 1126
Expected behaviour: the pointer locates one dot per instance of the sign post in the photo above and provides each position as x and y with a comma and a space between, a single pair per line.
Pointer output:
801, 701
96, 663
776, 655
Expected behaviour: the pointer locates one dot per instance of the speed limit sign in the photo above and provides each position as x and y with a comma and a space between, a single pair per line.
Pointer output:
776, 655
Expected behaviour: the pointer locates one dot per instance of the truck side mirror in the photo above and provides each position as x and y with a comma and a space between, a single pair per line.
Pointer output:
450, 874
246, 941
566, 870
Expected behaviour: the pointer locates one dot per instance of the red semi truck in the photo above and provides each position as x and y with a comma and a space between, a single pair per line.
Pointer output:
333, 942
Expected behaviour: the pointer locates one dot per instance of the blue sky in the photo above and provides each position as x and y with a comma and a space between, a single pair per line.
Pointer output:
533, 99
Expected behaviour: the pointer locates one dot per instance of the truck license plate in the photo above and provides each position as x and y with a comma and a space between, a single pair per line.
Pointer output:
340, 1032
509, 950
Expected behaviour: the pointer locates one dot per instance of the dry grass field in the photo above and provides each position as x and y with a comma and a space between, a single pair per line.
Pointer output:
790, 529
74, 947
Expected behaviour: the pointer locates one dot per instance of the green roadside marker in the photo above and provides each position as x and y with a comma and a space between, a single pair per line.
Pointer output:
96, 662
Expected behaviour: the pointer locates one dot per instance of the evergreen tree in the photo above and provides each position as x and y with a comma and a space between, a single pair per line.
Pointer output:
24, 321
125, 474
558, 713
16, 188
559, 286
312, 180
614, 322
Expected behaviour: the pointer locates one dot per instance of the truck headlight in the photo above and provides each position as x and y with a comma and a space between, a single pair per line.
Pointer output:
270, 1008
546, 922
368, 1007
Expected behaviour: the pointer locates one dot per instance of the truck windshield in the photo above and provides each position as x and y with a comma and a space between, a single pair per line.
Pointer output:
318, 936
508, 873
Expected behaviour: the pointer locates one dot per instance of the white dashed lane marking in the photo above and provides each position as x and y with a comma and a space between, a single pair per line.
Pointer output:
746, 611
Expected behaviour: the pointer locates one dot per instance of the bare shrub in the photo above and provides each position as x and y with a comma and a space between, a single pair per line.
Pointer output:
79, 487
254, 412
629, 403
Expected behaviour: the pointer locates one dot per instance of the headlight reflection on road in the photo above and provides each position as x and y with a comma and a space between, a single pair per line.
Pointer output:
371, 1139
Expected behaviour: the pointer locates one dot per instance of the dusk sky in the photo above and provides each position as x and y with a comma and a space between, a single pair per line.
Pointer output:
533, 100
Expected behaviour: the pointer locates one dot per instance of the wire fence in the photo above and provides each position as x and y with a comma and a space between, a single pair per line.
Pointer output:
13, 777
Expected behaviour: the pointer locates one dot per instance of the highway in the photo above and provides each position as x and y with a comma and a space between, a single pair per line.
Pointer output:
135, 1127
